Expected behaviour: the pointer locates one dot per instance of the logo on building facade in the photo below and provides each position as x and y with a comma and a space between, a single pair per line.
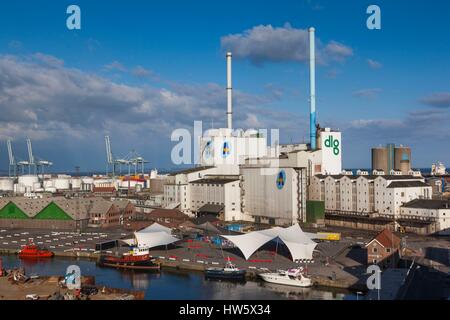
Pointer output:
334, 143
207, 152
281, 179
226, 149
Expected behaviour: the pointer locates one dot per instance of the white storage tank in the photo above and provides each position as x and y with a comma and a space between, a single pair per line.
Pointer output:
37, 186
48, 183
76, 183
6, 184
27, 181
61, 183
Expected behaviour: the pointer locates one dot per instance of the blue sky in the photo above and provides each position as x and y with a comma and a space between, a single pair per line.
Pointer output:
139, 69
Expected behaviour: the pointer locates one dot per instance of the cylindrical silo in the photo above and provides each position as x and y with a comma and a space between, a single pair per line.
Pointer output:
61, 183
405, 166
6, 184
26, 182
380, 159
402, 154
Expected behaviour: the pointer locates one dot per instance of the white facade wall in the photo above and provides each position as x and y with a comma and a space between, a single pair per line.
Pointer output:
317, 189
365, 195
264, 202
348, 194
441, 215
225, 194
331, 196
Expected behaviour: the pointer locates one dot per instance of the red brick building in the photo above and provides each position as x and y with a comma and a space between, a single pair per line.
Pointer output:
383, 250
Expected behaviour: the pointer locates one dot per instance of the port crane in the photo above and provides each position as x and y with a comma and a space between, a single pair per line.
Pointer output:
36, 162
12, 162
132, 159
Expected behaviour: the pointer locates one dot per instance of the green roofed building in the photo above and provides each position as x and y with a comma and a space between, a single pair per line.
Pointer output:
44, 213
62, 213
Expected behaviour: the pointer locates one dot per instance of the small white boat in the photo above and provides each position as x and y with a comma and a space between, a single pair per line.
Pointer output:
292, 277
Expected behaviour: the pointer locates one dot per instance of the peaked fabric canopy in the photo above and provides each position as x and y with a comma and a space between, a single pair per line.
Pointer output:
299, 244
153, 236
156, 227
154, 239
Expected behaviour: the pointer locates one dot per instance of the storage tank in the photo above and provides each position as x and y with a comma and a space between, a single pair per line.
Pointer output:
6, 184
48, 183
26, 182
380, 159
61, 183
402, 154
76, 183
37, 186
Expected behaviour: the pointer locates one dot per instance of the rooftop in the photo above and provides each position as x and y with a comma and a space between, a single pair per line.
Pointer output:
190, 170
221, 180
387, 239
428, 204
407, 184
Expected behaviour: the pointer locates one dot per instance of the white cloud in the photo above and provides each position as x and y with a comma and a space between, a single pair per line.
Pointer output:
370, 93
265, 43
68, 109
439, 100
374, 64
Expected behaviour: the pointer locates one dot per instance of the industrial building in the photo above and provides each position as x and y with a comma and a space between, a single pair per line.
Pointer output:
241, 177
378, 201
62, 213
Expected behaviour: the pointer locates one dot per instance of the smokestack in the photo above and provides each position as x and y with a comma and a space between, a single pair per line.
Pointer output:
229, 93
312, 86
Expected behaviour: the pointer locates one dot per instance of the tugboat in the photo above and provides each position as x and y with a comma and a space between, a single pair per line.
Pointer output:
137, 259
292, 277
33, 251
229, 272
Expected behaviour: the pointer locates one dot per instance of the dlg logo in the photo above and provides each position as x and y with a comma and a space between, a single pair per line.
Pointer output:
226, 149
281, 179
333, 143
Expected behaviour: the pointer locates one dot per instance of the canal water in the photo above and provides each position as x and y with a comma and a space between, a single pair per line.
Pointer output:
171, 285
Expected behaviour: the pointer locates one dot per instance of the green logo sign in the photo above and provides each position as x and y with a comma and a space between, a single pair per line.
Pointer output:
332, 143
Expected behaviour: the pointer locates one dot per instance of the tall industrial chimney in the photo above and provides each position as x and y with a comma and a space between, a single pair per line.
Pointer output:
229, 93
312, 86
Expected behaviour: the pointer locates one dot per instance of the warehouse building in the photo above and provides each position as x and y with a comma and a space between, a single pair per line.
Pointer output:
378, 201
60, 213
426, 216
45, 213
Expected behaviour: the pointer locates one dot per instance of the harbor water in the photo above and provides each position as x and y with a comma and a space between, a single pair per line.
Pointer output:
171, 284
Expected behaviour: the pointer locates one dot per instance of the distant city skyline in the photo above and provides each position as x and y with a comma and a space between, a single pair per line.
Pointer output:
138, 70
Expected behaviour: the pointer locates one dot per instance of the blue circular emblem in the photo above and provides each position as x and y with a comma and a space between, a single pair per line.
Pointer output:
225, 149
281, 179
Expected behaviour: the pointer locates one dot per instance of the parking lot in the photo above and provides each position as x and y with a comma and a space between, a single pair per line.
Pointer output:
57, 241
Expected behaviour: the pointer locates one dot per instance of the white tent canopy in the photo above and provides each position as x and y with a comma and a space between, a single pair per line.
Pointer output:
156, 227
154, 239
300, 245
153, 236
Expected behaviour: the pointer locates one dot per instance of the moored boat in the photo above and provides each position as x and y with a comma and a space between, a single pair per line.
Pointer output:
33, 251
292, 277
229, 272
137, 259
